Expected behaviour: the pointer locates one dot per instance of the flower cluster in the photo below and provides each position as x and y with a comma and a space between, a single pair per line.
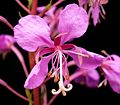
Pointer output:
95, 9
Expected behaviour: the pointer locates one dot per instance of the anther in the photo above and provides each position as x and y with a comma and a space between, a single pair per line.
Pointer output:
56, 78
50, 73
67, 76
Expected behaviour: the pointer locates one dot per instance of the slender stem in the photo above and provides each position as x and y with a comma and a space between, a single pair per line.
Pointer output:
2, 19
70, 63
52, 99
21, 59
34, 7
36, 95
46, 9
3, 83
25, 8
57, 3
36, 91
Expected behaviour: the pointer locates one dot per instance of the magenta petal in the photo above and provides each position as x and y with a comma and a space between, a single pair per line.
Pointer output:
83, 2
113, 78
93, 61
115, 86
95, 13
111, 69
92, 78
112, 63
38, 73
74, 21
32, 32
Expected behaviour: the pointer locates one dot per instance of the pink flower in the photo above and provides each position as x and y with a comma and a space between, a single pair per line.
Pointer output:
111, 69
95, 9
7, 44
32, 33
6, 41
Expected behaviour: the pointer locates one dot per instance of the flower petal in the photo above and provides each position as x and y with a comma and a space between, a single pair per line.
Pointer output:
115, 86
38, 73
74, 21
93, 61
83, 2
113, 78
95, 13
89, 77
32, 32
92, 78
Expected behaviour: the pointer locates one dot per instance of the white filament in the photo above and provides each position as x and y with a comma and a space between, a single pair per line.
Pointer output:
60, 83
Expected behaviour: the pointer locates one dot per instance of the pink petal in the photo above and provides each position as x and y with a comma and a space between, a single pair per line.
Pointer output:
93, 61
114, 79
32, 32
112, 63
83, 2
115, 86
74, 21
95, 13
38, 73
92, 78
111, 68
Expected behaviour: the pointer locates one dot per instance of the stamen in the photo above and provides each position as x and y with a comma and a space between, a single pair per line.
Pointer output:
103, 82
55, 92
62, 89
54, 73
80, 54
60, 83
50, 73
104, 52
67, 77
56, 79
103, 11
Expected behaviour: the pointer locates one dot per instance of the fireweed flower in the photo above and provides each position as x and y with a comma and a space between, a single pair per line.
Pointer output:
109, 66
6, 41
33, 33
111, 69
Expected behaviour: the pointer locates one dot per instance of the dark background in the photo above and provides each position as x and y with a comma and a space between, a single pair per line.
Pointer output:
104, 36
